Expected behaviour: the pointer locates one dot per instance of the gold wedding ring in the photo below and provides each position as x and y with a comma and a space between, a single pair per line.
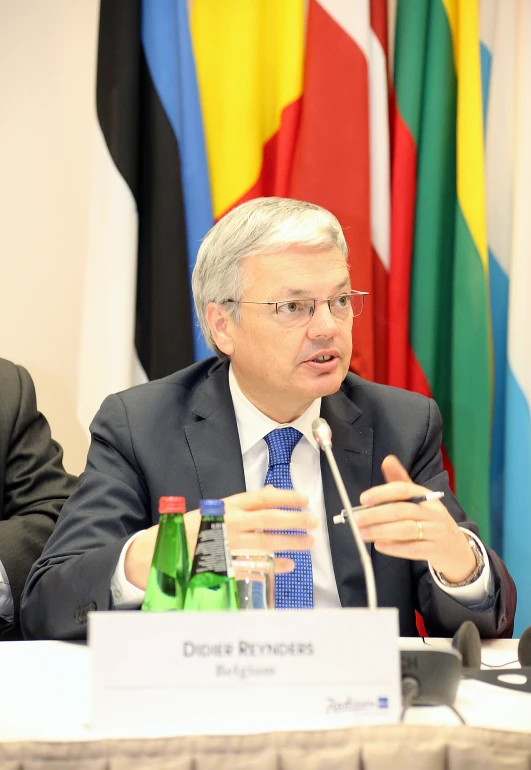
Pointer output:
421, 531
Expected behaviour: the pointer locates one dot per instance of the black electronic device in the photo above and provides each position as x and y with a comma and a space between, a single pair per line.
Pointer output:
468, 642
437, 673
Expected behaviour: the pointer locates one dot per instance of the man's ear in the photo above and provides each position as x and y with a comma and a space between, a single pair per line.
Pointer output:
220, 324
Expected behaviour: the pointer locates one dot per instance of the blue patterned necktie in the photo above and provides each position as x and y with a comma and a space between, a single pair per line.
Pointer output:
293, 590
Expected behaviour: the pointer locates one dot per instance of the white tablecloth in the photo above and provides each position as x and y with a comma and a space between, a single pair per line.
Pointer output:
45, 691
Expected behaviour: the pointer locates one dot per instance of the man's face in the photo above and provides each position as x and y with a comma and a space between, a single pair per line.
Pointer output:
273, 360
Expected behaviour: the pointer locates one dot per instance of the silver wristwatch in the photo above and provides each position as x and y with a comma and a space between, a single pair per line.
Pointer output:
480, 564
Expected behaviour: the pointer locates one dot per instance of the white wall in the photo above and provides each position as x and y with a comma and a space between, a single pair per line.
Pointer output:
47, 95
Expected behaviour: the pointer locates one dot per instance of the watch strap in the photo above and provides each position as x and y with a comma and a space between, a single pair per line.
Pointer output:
480, 565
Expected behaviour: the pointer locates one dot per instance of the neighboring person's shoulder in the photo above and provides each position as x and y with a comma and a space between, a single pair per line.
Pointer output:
15, 385
11, 375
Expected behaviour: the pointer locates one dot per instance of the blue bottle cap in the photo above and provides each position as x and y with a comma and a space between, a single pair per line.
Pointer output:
212, 508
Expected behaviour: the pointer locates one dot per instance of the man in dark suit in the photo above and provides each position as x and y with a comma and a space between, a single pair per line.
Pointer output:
33, 488
274, 299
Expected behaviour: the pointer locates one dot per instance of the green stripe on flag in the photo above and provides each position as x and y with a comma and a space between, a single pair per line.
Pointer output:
449, 329
433, 245
410, 44
469, 443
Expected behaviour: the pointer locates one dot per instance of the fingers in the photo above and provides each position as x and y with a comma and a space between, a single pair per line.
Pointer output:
403, 531
398, 486
393, 470
268, 497
417, 550
270, 519
283, 565
392, 491
270, 541
254, 521
397, 512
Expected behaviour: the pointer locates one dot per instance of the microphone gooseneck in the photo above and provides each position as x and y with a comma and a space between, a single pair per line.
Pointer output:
323, 435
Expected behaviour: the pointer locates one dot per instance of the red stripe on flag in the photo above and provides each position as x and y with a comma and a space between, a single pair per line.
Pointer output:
277, 159
331, 162
378, 12
379, 23
403, 192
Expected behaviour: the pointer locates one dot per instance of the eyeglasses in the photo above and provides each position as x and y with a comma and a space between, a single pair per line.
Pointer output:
292, 312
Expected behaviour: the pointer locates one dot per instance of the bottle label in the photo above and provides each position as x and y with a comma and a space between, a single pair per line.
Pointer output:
211, 551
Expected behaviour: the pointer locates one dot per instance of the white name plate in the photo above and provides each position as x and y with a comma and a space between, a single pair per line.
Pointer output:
179, 673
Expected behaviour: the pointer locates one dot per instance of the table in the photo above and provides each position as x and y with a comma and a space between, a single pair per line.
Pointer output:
44, 711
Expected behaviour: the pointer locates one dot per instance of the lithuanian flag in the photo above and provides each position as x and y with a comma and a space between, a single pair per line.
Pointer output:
439, 245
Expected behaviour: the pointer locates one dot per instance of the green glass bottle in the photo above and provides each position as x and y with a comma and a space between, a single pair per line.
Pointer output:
170, 567
212, 586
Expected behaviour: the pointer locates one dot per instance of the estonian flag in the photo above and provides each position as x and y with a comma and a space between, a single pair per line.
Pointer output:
150, 202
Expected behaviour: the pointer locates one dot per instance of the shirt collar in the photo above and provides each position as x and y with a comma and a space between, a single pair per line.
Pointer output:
253, 424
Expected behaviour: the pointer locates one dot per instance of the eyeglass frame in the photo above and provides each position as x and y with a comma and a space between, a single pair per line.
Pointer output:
362, 294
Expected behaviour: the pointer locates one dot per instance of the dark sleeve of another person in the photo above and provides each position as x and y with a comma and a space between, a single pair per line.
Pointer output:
33, 482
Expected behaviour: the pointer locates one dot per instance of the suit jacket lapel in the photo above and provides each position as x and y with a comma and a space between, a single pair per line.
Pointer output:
214, 441
353, 450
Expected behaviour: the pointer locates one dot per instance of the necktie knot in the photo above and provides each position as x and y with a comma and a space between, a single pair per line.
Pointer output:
281, 442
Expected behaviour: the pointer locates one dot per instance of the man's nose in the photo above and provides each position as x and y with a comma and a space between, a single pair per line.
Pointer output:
322, 323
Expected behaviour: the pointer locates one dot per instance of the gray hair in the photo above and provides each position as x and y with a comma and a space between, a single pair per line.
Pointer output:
261, 226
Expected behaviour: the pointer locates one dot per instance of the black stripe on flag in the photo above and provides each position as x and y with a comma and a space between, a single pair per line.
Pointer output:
146, 153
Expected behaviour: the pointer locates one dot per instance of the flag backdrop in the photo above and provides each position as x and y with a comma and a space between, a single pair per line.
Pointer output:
409, 120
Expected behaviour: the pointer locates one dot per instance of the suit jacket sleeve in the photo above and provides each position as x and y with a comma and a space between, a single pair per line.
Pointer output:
441, 613
73, 575
35, 484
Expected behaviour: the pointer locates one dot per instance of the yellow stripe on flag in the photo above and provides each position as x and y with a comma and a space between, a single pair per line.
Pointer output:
249, 59
464, 25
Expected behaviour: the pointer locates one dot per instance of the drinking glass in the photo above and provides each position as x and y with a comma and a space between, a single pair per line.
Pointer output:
254, 572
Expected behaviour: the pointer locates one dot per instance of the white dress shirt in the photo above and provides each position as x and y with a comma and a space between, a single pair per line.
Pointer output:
305, 469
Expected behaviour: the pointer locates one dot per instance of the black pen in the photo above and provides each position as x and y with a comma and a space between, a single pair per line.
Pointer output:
340, 518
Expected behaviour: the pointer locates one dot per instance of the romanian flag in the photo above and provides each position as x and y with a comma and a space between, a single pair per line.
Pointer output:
409, 120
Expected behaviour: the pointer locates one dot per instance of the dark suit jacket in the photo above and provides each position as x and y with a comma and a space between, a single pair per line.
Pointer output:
33, 482
178, 436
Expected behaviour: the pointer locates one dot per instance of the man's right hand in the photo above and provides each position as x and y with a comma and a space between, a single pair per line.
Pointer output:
249, 516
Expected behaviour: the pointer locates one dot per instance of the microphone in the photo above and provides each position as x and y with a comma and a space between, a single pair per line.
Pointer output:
524, 648
429, 676
323, 435
467, 641
434, 671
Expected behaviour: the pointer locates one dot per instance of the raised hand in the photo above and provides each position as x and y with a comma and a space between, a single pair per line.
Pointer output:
424, 531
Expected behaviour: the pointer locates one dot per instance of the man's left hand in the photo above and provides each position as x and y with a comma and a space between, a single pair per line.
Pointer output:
423, 531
